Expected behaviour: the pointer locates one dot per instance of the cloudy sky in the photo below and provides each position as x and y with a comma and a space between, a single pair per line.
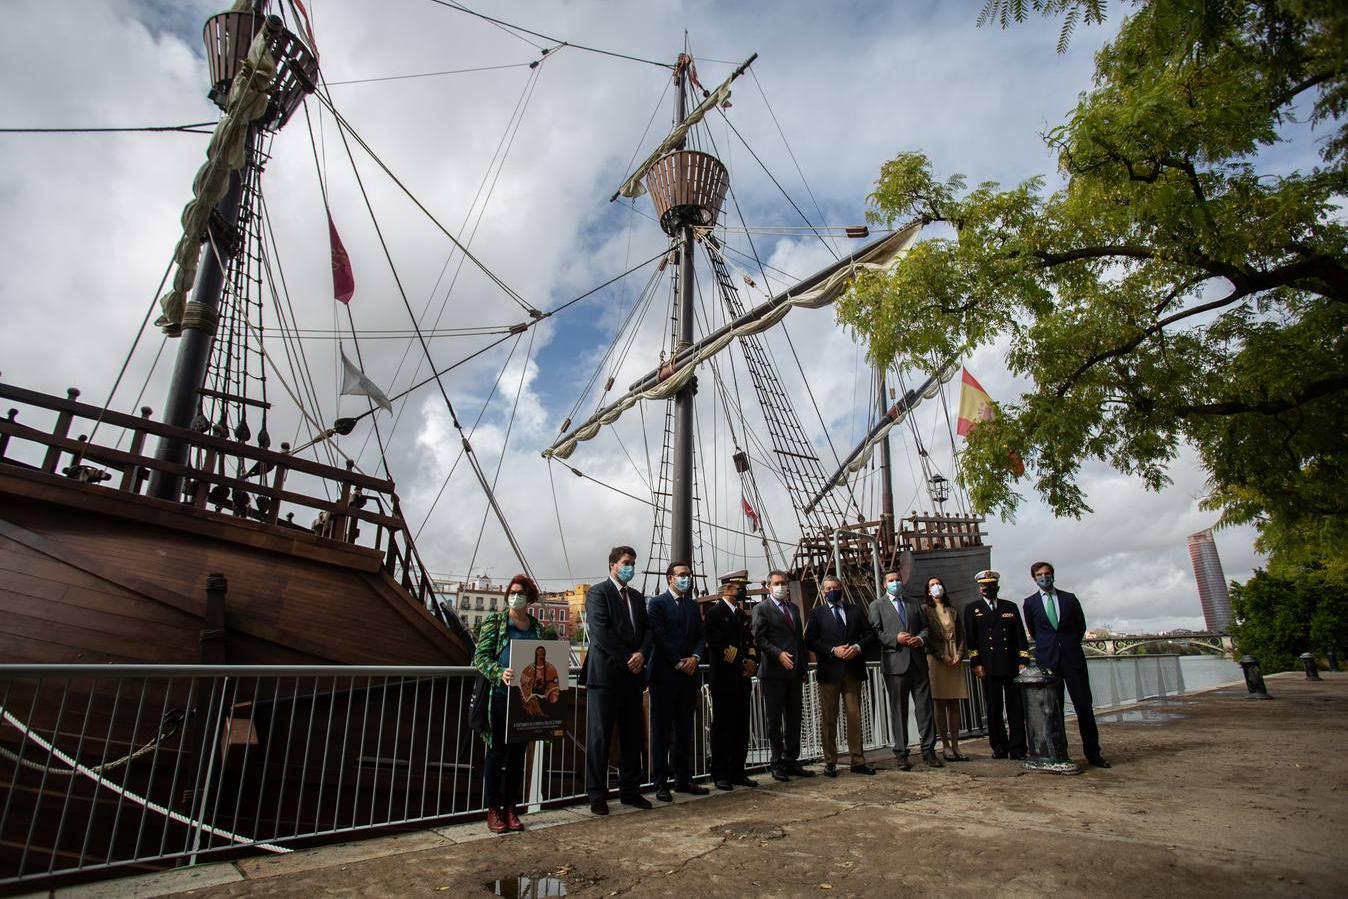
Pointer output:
520, 163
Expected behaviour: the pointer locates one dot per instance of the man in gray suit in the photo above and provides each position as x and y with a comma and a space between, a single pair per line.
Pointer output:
902, 629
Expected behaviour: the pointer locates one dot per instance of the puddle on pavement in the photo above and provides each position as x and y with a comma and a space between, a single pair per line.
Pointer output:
523, 887
1139, 716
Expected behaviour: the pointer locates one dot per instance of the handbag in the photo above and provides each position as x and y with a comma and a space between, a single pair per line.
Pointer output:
477, 706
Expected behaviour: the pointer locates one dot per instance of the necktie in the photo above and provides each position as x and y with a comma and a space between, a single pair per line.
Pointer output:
786, 613
903, 613
838, 616
631, 613
1051, 610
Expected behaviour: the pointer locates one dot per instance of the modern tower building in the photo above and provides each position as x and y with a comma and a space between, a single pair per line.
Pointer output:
1211, 582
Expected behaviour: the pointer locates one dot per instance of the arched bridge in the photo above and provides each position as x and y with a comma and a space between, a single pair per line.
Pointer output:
1118, 644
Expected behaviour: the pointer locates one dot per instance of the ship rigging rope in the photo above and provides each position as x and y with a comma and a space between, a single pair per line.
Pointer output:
345, 128
505, 443
486, 185
425, 347
449, 4
509, 65
136, 798
471, 431
193, 128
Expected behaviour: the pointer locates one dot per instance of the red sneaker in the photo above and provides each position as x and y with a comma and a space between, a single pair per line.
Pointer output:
496, 821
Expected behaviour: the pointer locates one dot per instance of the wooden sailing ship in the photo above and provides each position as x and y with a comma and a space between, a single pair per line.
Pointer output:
189, 539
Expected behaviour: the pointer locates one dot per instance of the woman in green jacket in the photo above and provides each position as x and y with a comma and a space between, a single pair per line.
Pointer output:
503, 767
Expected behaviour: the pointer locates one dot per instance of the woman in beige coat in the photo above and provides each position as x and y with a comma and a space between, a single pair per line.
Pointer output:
945, 649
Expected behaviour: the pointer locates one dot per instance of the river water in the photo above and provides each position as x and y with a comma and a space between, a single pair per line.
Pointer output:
1207, 671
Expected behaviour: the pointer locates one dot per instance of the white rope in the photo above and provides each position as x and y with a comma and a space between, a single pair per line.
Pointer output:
134, 797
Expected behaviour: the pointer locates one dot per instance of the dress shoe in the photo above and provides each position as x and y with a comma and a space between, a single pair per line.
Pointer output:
724, 785
496, 821
691, 789
1018, 756
598, 807
663, 794
745, 782
779, 775
512, 818
904, 763
955, 756
1099, 762
830, 770
637, 801
863, 769
998, 755
932, 761
800, 771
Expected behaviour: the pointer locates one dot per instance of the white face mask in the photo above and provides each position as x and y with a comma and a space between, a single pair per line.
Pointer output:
937, 590
779, 591
518, 601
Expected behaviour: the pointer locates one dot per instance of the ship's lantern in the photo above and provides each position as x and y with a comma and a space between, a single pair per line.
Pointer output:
688, 188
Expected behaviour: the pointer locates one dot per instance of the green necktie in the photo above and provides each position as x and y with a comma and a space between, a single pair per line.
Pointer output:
1051, 610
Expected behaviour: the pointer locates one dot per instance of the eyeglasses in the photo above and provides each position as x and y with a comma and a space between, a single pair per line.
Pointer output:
516, 592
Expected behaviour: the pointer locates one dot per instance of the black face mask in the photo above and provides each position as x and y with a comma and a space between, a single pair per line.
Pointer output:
741, 595
990, 591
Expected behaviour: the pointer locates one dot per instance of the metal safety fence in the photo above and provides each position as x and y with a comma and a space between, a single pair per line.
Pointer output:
112, 766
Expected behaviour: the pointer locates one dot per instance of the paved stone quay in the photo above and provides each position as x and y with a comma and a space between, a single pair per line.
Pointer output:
1210, 794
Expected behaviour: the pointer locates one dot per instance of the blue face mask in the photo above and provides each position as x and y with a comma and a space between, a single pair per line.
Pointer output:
1045, 582
683, 582
894, 588
626, 573
833, 596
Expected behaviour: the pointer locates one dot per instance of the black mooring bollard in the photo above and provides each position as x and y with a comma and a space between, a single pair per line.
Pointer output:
1254, 678
1045, 732
1333, 660
1308, 662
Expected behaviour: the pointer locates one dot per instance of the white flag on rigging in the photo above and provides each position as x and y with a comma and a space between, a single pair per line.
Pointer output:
354, 383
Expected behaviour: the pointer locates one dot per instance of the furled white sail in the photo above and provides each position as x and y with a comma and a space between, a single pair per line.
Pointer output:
248, 98
823, 289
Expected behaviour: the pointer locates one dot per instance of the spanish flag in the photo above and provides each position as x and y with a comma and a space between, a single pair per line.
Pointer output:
975, 404
976, 407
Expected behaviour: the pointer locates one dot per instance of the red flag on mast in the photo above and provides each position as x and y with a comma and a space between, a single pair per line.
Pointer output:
343, 279
750, 513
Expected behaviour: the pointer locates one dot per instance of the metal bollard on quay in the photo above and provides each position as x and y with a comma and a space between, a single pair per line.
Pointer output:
1308, 662
1254, 678
1045, 732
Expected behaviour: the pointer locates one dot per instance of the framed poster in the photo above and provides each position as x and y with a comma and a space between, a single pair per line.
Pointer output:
535, 707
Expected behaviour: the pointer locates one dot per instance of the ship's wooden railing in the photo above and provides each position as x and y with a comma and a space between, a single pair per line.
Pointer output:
226, 476
924, 533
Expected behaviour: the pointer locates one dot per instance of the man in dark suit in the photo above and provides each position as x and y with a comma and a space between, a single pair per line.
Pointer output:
998, 651
1057, 624
732, 662
614, 678
837, 635
676, 625
781, 652
901, 627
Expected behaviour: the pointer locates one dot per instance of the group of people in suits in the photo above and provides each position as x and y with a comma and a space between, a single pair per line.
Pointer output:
662, 642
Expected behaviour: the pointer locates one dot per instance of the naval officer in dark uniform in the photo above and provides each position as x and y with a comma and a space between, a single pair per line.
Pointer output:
998, 651
732, 662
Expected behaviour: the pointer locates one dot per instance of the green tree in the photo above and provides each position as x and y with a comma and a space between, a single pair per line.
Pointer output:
1280, 617
1179, 286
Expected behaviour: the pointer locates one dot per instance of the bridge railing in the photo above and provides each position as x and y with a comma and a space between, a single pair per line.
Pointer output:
110, 766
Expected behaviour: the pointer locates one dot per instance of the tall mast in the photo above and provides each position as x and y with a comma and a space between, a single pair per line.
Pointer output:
886, 482
681, 508
259, 74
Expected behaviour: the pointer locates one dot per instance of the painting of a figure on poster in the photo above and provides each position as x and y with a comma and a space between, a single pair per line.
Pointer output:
537, 696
